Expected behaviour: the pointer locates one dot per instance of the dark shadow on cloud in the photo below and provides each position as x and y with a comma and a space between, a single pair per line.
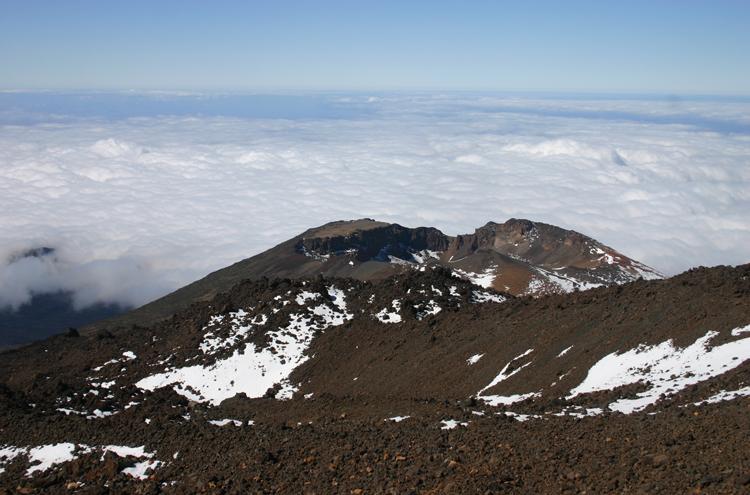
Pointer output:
673, 102
47, 315
617, 159
700, 123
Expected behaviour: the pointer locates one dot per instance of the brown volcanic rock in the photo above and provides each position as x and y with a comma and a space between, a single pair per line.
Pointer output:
352, 455
339, 440
534, 257
424, 355
556, 247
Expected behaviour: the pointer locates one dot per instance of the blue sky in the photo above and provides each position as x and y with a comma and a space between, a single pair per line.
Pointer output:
638, 47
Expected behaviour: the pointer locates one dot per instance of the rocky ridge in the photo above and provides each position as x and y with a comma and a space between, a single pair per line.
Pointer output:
519, 257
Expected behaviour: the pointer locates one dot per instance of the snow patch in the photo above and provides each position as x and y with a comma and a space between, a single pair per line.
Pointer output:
385, 317
305, 296
99, 414
140, 469
449, 424
425, 254
563, 352
398, 419
483, 279
666, 368
224, 422
431, 308
504, 374
474, 359
251, 370
241, 324
49, 455
496, 400
482, 297
725, 396
7, 454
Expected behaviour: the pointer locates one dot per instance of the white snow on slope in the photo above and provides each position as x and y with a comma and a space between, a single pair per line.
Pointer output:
398, 419
496, 400
640, 270
725, 395
128, 356
241, 324
305, 296
44, 457
140, 469
645, 272
251, 370
431, 308
564, 352
483, 279
8, 453
474, 359
425, 254
482, 297
390, 317
124, 451
504, 375
224, 422
567, 284
338, 297
49, 455
449, 424
668, 369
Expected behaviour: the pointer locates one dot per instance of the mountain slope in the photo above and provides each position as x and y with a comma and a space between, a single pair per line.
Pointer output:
519, 257
408, 336
487, 381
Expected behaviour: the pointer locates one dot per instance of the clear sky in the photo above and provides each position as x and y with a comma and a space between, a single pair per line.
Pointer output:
604, 46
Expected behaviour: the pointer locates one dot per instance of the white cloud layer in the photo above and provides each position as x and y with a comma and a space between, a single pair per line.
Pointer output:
140, 206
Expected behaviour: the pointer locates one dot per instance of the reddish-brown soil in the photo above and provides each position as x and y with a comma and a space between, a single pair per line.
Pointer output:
341, 441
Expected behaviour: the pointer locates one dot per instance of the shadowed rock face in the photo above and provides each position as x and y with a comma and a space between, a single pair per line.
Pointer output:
376, 244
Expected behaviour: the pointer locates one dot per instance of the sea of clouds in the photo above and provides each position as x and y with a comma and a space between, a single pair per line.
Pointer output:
136, 204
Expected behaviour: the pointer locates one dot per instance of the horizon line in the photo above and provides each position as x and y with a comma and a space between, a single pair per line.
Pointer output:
292, 91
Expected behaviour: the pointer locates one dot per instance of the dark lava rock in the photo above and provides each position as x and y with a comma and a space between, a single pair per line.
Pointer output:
72, 332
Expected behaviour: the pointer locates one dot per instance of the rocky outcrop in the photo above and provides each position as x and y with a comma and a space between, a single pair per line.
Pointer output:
376, 244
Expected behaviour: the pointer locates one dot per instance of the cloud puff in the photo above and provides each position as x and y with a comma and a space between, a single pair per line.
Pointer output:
137, 207
124, 281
